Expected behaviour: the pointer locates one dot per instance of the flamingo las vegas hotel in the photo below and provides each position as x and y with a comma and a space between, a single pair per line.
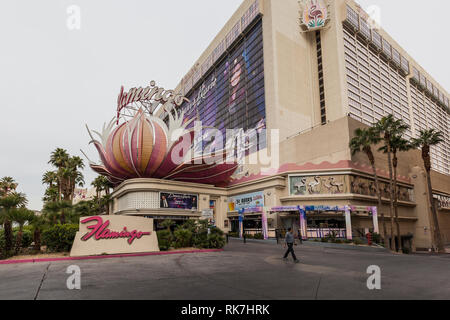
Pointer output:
299, 78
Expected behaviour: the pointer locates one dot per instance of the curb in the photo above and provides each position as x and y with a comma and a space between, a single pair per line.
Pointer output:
126, 255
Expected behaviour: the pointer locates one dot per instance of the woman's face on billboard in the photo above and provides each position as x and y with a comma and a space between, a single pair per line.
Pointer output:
236, 73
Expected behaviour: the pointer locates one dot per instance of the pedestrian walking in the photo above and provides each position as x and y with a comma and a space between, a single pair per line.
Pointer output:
289, 242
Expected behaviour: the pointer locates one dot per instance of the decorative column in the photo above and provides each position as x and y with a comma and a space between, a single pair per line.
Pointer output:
241, 223
303, 225
348, 222
265, 227
375, 219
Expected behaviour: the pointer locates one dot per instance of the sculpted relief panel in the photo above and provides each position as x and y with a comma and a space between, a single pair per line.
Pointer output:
342, 184
366, 187
301, 185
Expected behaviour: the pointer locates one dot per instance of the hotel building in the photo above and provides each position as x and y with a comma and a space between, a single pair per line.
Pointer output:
315, 71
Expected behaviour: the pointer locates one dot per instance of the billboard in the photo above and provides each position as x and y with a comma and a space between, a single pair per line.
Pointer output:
178, 201
232, 93
244, 201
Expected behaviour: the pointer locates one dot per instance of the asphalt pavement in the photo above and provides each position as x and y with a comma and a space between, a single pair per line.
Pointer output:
253, 271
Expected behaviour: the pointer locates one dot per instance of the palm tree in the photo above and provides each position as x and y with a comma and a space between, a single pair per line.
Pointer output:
51, 194
20, 216
7, 204
167, 224
57, 210
363, 141
7, 185
50, 178
59, 158
67, 176
396, 143
427, 139
384, 127
101, 183
38, 224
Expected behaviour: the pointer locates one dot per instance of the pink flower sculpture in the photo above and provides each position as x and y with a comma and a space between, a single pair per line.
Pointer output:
145, 147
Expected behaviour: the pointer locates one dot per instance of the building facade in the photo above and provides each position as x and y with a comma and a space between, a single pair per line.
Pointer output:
311, 72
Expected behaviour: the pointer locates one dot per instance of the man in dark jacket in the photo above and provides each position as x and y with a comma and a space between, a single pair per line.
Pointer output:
290, 244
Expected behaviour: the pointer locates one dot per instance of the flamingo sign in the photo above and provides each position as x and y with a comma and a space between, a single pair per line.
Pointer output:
315, 15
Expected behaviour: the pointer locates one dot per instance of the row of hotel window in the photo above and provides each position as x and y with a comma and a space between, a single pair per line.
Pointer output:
358, 23
376, 89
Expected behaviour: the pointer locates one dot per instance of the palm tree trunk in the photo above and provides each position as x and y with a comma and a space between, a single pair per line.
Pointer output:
391, 197
379, 201
396, 205
436, 229
19, 240
8, 236
37, 239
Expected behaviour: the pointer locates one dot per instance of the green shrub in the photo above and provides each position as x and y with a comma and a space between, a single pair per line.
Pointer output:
59, 238
233, 234
376, 238
259, 236
214, 240
165, 239
357, 241
406, 250
323, 240
347, 241
339, 241
182, 238
27, 237
249, 236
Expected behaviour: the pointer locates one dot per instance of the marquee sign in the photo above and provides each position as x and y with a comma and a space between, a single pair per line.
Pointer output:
178, 201
100, 231
314, 15
149, 98
246, 201
114, 235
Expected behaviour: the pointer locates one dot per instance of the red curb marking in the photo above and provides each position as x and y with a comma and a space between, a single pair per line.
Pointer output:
126, 255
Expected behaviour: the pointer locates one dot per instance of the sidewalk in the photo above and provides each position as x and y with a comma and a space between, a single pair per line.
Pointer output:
342, 246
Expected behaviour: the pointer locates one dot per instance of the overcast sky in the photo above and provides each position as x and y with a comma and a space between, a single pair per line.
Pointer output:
54, 80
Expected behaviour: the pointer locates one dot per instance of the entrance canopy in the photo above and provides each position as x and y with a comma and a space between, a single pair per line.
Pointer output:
346, 210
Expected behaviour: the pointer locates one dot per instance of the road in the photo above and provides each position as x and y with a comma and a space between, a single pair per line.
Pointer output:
242, 271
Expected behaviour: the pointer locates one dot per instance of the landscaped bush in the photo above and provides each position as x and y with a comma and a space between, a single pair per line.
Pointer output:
191, 233
406, 250
213, 240
165, 239
324, 240
59, 238
376, 238
249, 236
27, 238
182, 238
258, 236
233, 234
357, 241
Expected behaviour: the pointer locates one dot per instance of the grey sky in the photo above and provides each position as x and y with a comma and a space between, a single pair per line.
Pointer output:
54, 80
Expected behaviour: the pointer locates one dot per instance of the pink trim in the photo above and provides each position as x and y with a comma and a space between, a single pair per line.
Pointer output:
126, 255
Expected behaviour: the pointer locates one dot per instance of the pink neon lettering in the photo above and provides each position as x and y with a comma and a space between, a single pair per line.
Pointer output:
100, 231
